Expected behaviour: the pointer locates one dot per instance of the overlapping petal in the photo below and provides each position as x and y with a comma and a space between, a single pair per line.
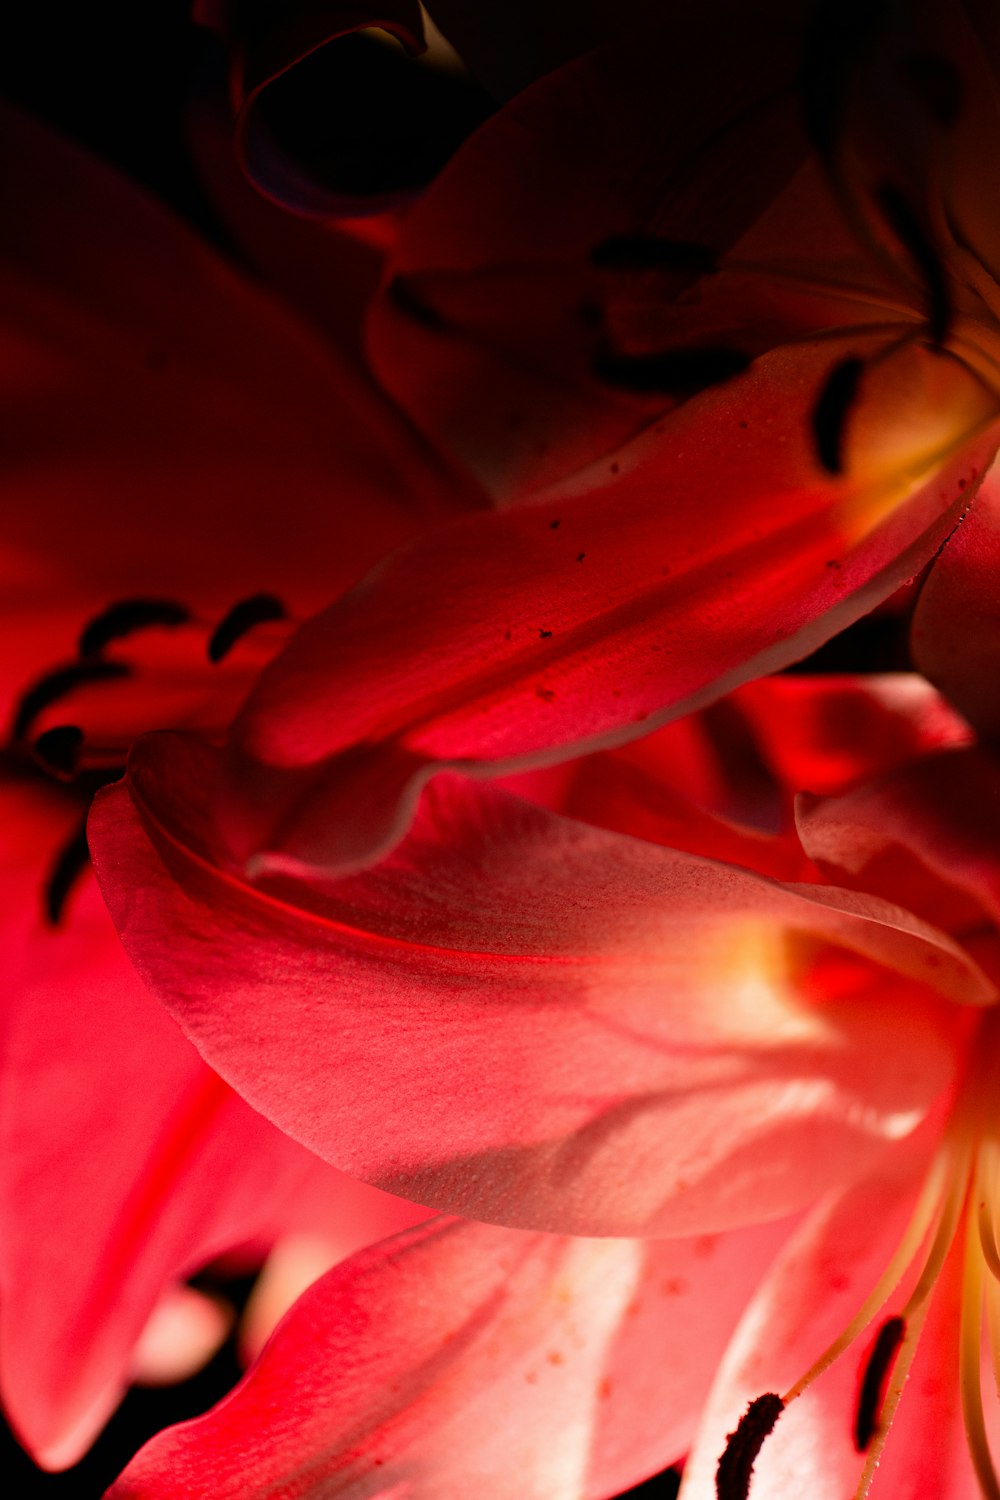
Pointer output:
537, 1022
126, 1161
460, 1358
506, 640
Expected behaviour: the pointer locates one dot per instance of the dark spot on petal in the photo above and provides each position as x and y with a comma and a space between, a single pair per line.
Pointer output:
553, 525
241, 619
580, 556
544, 635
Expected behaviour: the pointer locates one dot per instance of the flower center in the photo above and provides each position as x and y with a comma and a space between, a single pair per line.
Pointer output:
957, 1211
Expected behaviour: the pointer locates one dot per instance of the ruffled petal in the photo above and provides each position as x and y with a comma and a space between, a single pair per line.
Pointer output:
582, 621
678, 1022
460, 1359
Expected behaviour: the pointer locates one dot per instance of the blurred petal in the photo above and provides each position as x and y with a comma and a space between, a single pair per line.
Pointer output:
184, 1330
157, 408
956, 624
126, 1162
460, 1359
510, 640
678, 1022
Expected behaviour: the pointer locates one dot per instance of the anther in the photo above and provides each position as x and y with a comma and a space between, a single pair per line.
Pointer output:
58, 684
833, 407
647, 252
127, 616
69, 864
910, 232
876, 1373
674, 372
257, 610
732, 1477
59, 750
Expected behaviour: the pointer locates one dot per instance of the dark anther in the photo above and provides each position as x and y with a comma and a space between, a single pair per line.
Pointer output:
732, 1477
674, 372
126, 616
838, 37
937, 84
829, 415
880, 1362
59, 749
648, 252
69, 863
55, 685
256, 610
910, 233
404, 295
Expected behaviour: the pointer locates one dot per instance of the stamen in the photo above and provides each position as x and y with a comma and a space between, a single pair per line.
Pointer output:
732, 1478
59, 749
832, 409
910, 233
880, 1361
127, 616
241, 619
70, 863
58, 684
970, 1367
675, 372
648, 252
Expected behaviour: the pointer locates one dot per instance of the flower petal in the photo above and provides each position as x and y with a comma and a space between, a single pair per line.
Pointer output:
460, 1359
127, 1163
508, 640
956, 624
536, 1022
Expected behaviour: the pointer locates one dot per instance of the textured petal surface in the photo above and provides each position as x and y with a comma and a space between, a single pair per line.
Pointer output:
461, 1359
503, 640
666, 1053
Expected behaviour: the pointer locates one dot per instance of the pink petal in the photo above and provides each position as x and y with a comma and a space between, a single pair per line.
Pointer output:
927, 832
508, 640
460, 1359
678, 1022
126, 1162
809, 1297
